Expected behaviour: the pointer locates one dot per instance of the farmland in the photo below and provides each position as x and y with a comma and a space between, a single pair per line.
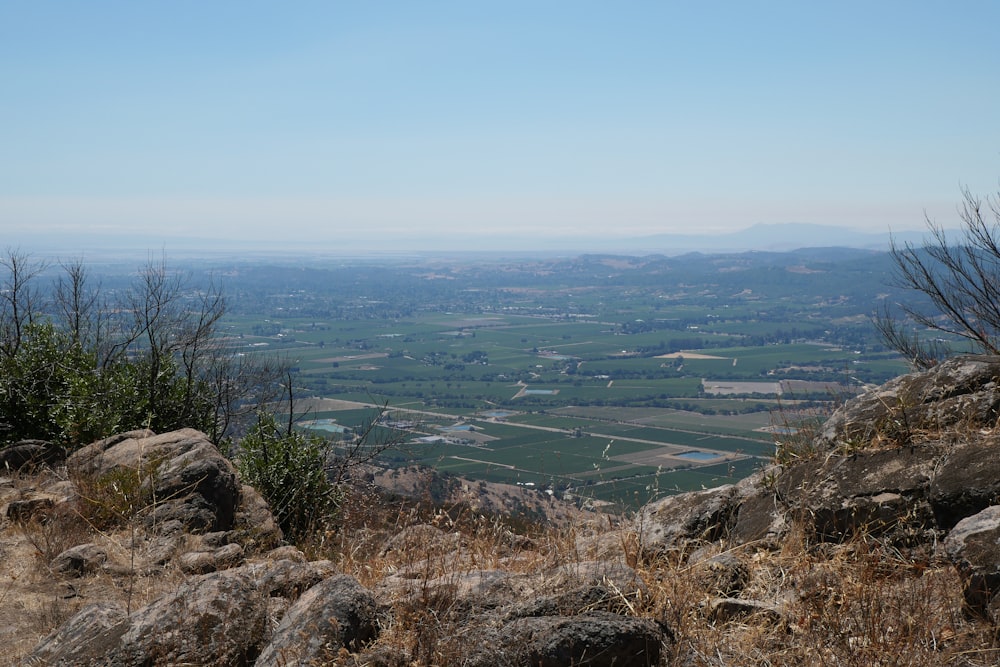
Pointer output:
612, 380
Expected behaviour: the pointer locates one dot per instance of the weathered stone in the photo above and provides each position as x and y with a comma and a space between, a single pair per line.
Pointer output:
80, 560
336, 613
186, 476
670, 522
215, 540
962, 390
203, 562
88, 635
161, 549
759, 516
27, 455
287, 552
194, 513
218, 619
974, 547
864, 473
36, 506
255, 526
968, 481
723, 574
591, 639
287, 578
877, 492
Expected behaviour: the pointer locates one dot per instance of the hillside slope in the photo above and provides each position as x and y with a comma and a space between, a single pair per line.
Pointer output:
871, 542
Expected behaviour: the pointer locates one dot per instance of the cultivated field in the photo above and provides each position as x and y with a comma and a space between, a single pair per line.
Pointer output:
584, 411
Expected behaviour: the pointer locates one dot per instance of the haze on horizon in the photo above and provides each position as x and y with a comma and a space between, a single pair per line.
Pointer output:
338, 123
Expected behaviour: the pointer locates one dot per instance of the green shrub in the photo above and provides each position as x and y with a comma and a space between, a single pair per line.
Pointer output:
289, 470
53, 389
36, 381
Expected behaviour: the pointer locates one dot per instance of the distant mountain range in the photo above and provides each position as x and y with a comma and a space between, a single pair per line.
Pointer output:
772, 237
762, 237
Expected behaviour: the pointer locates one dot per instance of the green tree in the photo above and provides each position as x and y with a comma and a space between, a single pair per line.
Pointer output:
79, 367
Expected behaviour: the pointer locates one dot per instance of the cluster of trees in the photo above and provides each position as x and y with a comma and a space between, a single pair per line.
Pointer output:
78, 363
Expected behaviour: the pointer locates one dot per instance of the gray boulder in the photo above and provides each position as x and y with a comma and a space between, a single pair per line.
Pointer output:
597, 638
218, 619
674, 521
185, 476
32, 505
967, 481
26, 455
80, 560
91, 633
962, 390
286, 578
203, 562
877, 492
336, 613
255, 525
973, 547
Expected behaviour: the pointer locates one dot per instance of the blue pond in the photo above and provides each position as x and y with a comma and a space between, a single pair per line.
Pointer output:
328, 425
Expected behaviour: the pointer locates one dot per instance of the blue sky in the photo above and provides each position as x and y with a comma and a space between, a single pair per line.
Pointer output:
389, 120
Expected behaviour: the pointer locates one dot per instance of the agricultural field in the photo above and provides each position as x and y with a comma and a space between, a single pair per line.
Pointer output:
553, 376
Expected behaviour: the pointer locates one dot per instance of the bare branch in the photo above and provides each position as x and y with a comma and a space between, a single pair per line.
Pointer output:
961, 279
20, 303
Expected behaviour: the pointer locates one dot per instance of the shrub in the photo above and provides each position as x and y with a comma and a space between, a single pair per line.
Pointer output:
289, 470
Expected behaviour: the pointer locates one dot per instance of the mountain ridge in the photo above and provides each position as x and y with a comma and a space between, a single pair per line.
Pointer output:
761, 236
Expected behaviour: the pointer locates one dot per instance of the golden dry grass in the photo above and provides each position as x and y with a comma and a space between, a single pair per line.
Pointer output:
852, 604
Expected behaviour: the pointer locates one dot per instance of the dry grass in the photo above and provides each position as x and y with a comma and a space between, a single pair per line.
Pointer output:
34, 597
442, 570
856, 604
853, 604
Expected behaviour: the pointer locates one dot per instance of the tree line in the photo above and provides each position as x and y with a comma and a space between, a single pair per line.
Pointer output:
78, 362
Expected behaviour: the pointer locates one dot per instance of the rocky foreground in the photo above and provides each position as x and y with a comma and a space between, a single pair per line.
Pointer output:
875, 542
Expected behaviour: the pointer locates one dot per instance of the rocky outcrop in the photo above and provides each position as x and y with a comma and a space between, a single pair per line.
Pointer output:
974, 547
913, 463
672, 521
182, 473
80, 560
338, 613
885, 465
218, 619
239, 604
83, 639
957, 392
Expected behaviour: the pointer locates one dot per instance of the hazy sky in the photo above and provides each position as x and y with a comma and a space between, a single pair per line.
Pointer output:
373, 119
